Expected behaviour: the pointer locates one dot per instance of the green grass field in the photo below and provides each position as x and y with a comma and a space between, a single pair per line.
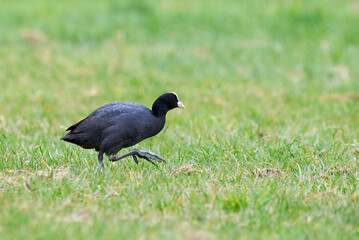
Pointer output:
267, 148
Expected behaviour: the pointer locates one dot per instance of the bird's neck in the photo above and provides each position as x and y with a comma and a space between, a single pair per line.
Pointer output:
159, 111
160, 115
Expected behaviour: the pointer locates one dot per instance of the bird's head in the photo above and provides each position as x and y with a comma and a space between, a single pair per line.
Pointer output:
166, 102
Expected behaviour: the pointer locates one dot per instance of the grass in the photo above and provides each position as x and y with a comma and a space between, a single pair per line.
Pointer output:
267, 147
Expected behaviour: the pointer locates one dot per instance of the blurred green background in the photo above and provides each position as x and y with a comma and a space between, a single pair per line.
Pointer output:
267, 85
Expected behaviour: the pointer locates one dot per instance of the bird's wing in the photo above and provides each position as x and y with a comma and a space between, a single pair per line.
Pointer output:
99, 118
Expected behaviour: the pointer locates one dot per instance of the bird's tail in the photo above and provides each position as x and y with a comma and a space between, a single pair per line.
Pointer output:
68, 138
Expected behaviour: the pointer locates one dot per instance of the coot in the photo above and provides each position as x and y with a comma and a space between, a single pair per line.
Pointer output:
119, 125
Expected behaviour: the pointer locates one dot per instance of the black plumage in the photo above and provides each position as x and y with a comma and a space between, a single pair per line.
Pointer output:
119, 125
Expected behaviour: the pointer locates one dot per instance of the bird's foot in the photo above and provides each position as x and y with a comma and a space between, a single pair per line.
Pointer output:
149, 156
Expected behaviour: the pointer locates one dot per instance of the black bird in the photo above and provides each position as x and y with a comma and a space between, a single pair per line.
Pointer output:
119, 125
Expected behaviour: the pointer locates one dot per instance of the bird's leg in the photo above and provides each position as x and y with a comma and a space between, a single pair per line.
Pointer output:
100, 159
149, 156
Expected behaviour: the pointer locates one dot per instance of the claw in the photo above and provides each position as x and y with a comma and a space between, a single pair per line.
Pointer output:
154, 156
149, 159
135, 159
